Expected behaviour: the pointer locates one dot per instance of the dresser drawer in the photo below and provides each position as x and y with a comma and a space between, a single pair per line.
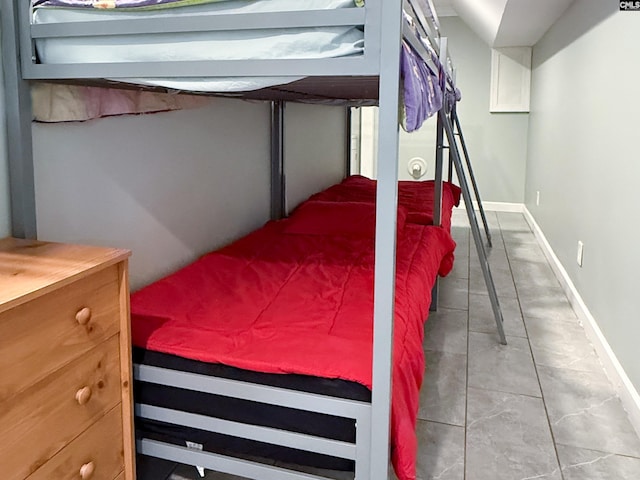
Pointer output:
96, 454
43, 419
40, 336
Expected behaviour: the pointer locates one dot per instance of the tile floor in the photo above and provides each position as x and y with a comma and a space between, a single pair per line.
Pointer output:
539, 408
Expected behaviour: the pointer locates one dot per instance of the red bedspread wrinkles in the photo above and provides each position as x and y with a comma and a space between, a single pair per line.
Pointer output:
284, 303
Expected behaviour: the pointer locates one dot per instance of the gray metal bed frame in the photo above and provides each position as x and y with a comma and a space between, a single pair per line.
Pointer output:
384, 28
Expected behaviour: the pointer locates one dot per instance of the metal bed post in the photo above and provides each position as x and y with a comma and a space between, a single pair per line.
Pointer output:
437, 201
473, 221
355, 155
17, 97
385, 246
437, 179
347, 141
476, 191
450, 166
278, 185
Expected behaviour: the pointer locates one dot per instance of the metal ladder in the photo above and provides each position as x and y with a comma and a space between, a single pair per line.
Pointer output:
457, 131
447, 119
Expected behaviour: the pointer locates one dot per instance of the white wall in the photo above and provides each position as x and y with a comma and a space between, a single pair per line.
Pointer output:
315, 139
168, 186
497, 142
583, 158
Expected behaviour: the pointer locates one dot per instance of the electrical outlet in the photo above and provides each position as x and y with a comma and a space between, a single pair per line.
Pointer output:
580, 255
538, 198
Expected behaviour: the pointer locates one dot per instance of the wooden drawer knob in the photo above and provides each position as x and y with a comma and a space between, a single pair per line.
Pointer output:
83, 396
83, 316
86, 470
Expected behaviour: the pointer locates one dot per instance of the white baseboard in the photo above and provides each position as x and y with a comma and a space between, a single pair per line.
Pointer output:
624, 388
497, 206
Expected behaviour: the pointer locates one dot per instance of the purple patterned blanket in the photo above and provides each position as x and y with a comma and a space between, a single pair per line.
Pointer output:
421, 92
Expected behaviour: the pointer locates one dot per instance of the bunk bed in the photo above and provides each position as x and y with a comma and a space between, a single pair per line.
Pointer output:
382, 39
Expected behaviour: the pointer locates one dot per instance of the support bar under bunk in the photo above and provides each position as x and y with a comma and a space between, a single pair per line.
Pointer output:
278, 178
203, 23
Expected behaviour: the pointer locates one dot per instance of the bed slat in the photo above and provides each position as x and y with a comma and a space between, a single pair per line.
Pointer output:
273, 436
256, 393
202, 22
304, 67
220, 463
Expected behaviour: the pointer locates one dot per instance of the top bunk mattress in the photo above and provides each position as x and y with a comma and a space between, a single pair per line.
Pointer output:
268, 43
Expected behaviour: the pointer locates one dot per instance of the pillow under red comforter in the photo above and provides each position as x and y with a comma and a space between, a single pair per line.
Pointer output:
416, 197
287, 303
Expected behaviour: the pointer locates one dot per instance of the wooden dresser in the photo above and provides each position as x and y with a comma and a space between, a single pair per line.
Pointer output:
65, 363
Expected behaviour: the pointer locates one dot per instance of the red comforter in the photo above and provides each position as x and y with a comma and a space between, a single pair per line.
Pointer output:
416, 197
293, 303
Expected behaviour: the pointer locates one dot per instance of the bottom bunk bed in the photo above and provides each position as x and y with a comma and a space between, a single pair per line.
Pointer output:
264, 347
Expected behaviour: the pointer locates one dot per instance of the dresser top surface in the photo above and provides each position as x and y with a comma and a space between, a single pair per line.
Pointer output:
29, 268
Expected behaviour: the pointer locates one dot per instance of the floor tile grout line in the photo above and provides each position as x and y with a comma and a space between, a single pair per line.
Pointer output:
457, 309
535, 367
599, 451
497, 390
441, 423
466, 391
492, 333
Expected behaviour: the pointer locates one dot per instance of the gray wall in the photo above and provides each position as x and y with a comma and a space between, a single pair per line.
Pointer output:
168, 186
315, 138
583, 158
497, 141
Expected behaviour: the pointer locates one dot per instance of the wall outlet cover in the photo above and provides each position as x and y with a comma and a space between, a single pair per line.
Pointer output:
580, 254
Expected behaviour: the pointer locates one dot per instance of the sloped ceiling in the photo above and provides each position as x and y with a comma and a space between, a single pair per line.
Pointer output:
506, 23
